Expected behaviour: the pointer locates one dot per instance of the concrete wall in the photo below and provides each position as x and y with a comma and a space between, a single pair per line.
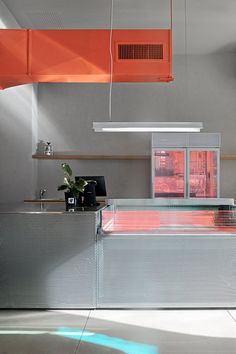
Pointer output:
18, 175
203, 90
18, 133
204, 66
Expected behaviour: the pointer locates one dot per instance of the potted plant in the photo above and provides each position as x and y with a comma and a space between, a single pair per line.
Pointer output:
72, 188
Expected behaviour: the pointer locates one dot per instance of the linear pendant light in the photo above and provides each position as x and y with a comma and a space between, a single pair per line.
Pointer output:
179, 127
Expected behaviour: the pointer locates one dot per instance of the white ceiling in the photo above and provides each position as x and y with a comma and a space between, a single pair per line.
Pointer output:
200, 26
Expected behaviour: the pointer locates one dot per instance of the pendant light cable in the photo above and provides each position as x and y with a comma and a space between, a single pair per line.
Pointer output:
111, 59
185, 28
171, 14
111, 55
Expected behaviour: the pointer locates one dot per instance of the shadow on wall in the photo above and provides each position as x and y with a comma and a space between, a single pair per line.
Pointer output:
225, 62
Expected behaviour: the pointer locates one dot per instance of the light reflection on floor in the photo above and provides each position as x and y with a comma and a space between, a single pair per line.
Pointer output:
127, 347
118, 331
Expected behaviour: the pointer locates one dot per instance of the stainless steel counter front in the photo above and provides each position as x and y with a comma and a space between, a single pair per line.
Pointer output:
167, 256
120, 256
48, 256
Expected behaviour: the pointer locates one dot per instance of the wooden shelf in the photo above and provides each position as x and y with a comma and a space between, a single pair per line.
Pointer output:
90, 157
228, 157
58, 156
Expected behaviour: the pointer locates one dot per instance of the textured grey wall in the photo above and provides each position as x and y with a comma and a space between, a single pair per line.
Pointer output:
17, 175
203, 90
90, 13
204, 63
18, 132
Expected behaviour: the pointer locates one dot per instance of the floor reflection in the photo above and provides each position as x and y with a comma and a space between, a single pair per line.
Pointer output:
125, 346
117, 331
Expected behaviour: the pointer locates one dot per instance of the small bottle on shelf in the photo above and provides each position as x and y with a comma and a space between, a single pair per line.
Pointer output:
48, 150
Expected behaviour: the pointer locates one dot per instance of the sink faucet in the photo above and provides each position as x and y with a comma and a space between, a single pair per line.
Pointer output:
41, 193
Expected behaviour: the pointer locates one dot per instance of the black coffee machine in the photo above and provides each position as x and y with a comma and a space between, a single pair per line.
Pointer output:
90, 193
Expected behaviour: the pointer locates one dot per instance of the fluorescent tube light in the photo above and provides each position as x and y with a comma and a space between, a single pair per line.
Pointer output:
139, 127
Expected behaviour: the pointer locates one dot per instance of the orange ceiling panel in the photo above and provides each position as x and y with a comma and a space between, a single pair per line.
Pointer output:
13, 57
13, 49
69, 55
84, 56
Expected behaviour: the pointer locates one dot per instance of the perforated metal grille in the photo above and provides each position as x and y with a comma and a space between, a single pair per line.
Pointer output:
140, 51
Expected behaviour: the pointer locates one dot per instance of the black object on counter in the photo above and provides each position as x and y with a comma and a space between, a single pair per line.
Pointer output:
100, 186
90, 194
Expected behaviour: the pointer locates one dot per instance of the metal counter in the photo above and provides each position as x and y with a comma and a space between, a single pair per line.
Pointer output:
122, 256
175, 202
46, 208
48, 256
166, 256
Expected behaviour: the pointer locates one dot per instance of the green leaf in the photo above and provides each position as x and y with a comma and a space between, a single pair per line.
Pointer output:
66, 168
66, 181
74, 187
62, 187
80, 184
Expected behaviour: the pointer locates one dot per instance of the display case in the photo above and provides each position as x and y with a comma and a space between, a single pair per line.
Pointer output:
184, 166
167, 255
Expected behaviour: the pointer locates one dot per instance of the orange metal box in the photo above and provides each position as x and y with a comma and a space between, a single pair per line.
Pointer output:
85, 56
69, 55
142, 55
13, 57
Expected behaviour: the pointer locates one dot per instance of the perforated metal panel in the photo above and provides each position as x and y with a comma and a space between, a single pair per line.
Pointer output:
169, 140
186, 140
180, 271
204, 140
47, 261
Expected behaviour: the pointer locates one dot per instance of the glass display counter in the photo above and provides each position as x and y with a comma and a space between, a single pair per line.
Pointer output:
167, 256
168, 221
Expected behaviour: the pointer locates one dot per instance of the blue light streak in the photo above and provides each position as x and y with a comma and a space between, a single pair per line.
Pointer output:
127, 347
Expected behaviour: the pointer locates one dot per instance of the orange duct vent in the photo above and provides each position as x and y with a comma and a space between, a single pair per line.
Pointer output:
140, 51
84, 56
142, 56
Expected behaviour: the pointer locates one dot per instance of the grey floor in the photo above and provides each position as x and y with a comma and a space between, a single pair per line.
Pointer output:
118, 331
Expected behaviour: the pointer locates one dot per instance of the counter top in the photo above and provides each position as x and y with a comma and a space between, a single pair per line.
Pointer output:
46, 208
179, 202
